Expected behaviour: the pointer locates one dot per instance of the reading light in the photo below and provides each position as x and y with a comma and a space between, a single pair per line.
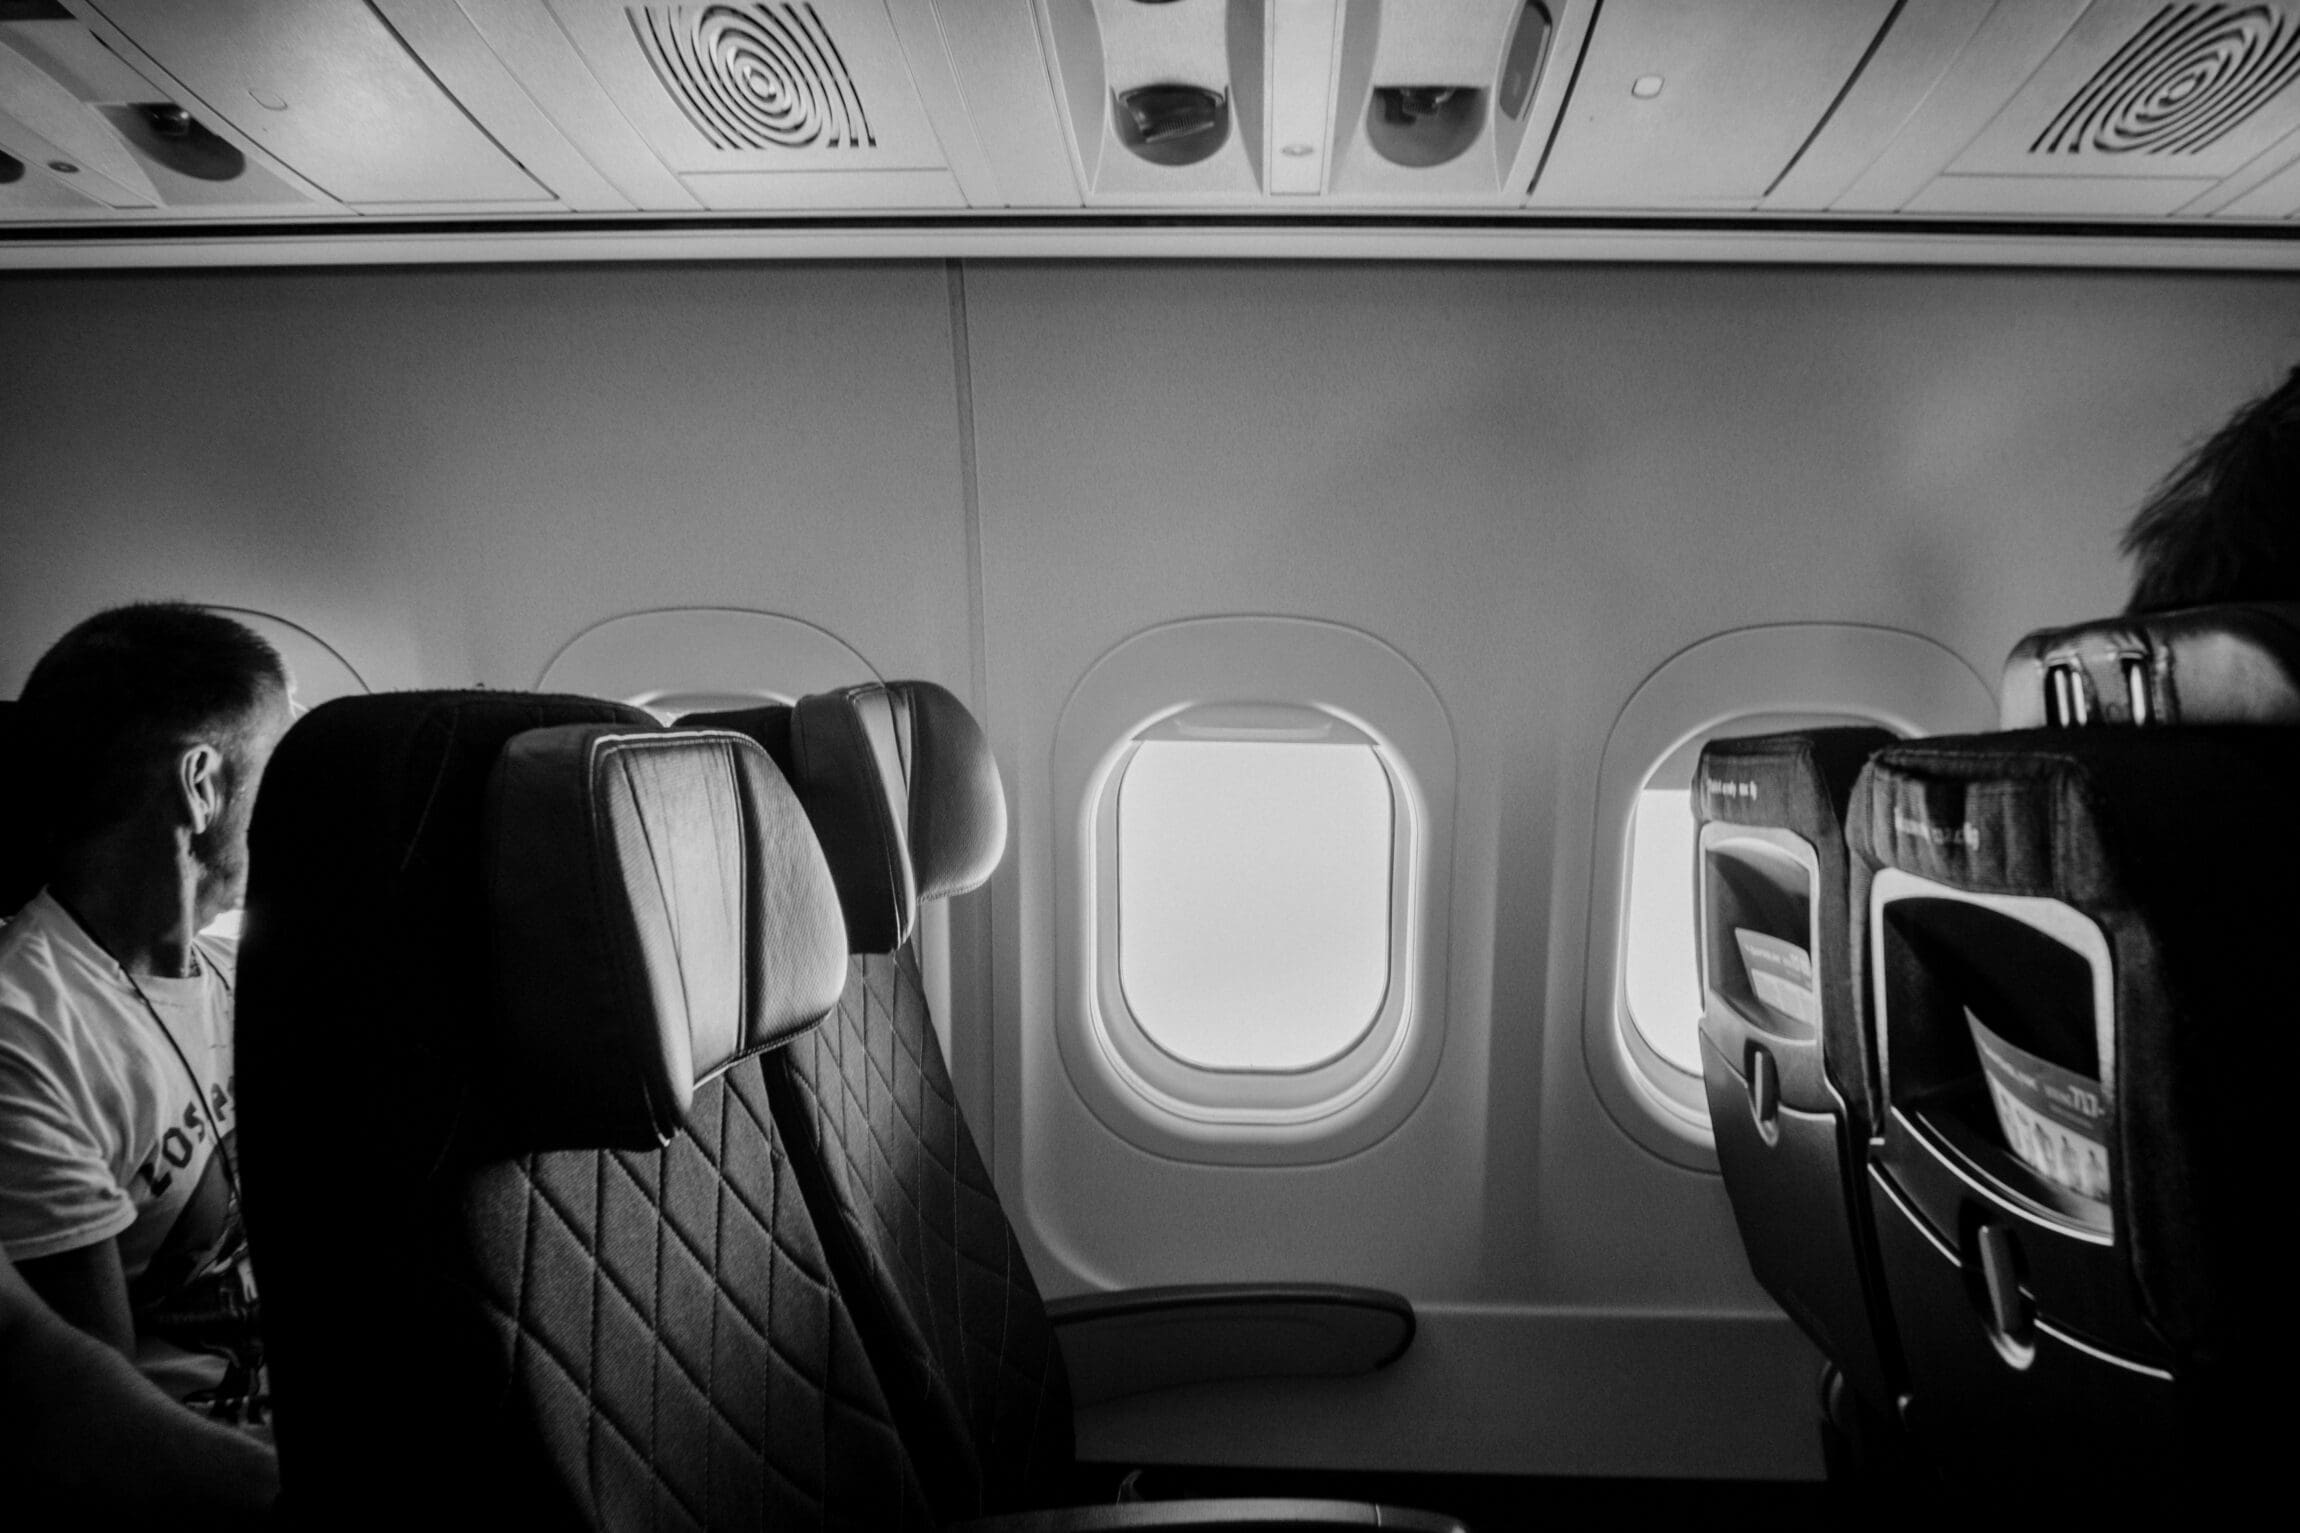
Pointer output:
1173, 124
1645, 87
1163, 112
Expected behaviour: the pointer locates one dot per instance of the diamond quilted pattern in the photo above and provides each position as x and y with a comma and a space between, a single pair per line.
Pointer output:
669, 1320
921, 1246
468, 1337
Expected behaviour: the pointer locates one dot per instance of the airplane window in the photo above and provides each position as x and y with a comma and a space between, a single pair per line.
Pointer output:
1661, 968
675, 661
321, 674
1254, 884
670, 707
1255, 887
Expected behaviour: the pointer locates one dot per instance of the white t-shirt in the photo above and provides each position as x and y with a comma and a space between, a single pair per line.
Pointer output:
108, 1130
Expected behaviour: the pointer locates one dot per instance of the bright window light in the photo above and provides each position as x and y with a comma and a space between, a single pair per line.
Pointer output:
671, 707
1663, 975
1254, 899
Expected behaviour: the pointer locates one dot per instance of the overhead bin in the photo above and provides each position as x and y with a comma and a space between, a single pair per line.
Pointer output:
1707, 105
775, 104
327, 88
81, 129
763, 106
2113, 108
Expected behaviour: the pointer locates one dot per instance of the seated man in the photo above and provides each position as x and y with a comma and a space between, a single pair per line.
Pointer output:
2224, 526
118, 1197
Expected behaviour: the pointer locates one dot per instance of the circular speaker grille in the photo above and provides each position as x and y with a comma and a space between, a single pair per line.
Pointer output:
755, 77
2186, 80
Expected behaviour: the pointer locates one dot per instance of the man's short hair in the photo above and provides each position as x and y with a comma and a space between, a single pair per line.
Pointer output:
2225, 524
113, 700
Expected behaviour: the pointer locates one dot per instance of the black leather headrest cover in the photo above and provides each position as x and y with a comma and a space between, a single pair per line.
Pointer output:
957, 803
2235, 664
660, 911
904, 794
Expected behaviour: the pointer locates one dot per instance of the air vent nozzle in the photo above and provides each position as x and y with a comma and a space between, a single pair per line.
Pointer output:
1171, 124
1418, 126
2187, 79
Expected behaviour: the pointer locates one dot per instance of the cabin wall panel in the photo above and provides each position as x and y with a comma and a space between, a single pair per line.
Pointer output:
451, 473
1537, 482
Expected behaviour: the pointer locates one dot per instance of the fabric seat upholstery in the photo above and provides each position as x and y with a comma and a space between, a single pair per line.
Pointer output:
470, 1325
893, 775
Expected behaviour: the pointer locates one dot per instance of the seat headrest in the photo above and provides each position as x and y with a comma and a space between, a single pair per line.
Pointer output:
660, 910
1799, 780
904, 794
2234, 664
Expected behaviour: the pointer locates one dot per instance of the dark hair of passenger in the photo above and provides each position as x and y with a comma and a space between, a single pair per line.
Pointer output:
113, 700
2224, 526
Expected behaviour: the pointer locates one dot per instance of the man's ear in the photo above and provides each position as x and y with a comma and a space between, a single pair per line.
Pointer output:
200, 786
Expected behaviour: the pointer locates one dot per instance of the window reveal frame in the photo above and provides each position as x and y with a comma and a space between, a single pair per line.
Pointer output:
1213, 678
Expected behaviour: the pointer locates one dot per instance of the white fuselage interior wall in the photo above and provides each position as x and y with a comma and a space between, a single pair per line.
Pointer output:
1536, 482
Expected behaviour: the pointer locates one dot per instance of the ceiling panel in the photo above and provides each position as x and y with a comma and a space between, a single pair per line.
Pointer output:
2107, 109
778, 86
2058, 195
1921, 44
2150, 90
1701, 105
1280, 124
97, 135
327, 87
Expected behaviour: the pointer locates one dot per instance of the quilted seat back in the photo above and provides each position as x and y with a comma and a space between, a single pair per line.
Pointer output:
917, 1236
467, 1330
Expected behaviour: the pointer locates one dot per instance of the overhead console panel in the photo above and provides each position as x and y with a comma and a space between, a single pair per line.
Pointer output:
1598, 129
1302, 104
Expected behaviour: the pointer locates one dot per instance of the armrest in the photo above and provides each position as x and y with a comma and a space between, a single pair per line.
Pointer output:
1242, 1514
1141, 1339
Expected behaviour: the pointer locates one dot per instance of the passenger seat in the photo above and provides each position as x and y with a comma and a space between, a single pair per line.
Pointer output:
2078, 934
531, 1251
1785, 1050
906, 799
